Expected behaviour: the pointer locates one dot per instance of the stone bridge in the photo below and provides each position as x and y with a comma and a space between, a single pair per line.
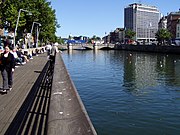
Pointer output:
86, 46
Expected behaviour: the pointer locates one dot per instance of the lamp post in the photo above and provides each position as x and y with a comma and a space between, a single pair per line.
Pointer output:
37, 34
19, 13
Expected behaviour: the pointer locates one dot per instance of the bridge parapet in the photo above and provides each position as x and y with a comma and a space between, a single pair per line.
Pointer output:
88, 46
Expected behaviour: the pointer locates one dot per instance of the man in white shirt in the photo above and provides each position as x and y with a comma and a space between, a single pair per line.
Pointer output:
48, 49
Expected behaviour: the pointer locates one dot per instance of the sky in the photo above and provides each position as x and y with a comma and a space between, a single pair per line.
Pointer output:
98, 17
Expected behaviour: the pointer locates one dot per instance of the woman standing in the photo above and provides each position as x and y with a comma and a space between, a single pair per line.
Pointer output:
7, 69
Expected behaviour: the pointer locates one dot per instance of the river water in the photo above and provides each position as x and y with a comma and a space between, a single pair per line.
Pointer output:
128, 93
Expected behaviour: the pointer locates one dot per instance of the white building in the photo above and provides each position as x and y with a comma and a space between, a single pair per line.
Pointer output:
142, 19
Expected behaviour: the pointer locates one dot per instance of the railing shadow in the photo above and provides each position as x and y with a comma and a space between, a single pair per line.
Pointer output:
31, 118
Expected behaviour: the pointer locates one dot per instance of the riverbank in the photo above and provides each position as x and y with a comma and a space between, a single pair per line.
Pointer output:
149, 48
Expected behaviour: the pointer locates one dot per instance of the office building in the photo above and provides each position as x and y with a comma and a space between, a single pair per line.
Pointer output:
142, 19
162, 23
172, 22
117, 36
178, 29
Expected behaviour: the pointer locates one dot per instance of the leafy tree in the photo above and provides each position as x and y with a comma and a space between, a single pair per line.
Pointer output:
95, 38
129, 34
42, 13
163, 35
60, 40
89, 41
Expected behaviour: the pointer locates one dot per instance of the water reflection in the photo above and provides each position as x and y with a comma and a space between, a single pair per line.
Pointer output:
149, 70
141, 70
128, 92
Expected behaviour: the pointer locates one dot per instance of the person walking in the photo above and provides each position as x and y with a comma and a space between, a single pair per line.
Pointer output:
48, 49
54, 50
7, 69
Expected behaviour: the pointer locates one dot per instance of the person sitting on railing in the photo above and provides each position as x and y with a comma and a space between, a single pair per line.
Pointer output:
21, 55
18, 60
27, 54
42, 50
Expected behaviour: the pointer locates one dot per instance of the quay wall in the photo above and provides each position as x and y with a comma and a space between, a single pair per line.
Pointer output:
67, 114
149, 48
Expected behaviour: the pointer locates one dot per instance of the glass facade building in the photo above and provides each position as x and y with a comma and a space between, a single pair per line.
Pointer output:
142, 19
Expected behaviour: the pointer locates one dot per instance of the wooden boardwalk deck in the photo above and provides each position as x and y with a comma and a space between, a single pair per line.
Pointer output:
26, 110
27, 104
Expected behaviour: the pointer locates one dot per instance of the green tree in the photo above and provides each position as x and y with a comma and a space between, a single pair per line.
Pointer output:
42, 12
60, 40
95, 38
163, 35
129, 34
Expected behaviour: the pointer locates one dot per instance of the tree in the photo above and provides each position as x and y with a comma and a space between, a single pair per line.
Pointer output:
60, 40
42, 13
163, 35
129, 34
95, 38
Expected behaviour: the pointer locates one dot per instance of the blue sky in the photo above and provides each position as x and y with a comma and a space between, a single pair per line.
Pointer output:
95, 17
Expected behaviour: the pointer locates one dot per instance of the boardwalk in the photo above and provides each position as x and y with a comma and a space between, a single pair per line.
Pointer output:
20, 109
26, 110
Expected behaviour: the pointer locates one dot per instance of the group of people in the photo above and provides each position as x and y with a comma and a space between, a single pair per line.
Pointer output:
10, 58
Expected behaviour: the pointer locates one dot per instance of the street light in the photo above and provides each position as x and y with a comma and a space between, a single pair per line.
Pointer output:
19, 13
36, 33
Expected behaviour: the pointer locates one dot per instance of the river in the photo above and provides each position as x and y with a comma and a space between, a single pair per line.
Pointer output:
128, 93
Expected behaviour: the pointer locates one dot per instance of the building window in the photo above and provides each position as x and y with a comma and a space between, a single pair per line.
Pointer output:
178, 35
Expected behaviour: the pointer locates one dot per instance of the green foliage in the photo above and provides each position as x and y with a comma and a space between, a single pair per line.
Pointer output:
129, 34
95, 38
60, 40
42, 13
163, 35
89, 41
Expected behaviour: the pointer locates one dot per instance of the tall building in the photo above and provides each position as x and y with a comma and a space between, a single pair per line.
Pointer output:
172, 21
117, 35
178, 29
142, 19
163, 23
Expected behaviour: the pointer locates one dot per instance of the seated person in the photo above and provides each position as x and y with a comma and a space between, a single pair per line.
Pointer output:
18, 60
21, 55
